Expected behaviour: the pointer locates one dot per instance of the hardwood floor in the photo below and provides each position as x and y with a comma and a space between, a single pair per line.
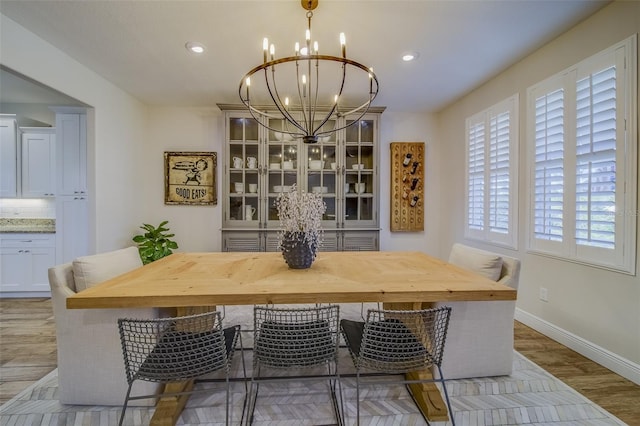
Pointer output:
27, 344
28, 352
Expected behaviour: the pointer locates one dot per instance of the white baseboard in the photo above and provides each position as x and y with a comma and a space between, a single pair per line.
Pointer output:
622, 366
24, 294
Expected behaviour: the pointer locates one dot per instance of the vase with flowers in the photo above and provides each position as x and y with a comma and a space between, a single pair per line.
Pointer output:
300, 215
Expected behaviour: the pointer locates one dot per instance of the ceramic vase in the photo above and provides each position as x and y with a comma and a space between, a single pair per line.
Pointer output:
297, 252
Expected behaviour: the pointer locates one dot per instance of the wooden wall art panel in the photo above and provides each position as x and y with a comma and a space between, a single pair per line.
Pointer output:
407, 186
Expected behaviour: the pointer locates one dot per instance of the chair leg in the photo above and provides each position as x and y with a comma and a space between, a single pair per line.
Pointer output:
338, 406
358, 398
446, 395
126, 402
252, 399
244, 372
227, 410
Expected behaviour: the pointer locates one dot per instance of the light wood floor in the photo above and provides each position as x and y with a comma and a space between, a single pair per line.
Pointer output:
28, 352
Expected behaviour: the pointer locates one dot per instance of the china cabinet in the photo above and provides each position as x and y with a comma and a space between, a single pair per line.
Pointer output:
260, 163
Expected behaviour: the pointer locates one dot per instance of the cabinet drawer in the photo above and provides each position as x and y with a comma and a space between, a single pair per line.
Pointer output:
28, 240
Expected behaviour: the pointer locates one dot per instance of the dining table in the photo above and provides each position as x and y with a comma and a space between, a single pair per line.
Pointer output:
191, 283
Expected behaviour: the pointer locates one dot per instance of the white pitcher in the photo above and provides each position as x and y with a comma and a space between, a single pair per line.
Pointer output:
252, 162
249, 211
237, 162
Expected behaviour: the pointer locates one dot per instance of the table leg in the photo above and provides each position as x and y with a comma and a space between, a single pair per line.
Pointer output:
169, 408
427, 395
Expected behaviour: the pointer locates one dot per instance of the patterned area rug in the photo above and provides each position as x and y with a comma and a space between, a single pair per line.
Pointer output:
529, 396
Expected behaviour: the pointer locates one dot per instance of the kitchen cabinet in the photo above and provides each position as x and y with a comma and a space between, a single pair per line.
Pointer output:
25, 260
38, 162
260, 163
72, 200
8, 156
71, 150
72, 225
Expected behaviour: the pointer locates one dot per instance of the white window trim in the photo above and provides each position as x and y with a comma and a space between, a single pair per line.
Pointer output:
486, 235
623, 258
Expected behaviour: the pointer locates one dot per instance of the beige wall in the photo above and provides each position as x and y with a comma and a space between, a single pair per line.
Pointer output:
595, 310
197, 228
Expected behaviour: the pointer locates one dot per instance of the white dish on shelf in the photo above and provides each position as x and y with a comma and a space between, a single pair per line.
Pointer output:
316, 164
319, 189
274, 166
358, 167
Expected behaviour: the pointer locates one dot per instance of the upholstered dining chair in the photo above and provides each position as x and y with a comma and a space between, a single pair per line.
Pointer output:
481, 342
295, 339
397, 342
178, 349
87, 339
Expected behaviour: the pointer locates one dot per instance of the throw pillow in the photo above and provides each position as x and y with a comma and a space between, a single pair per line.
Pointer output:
91, 270
484, 263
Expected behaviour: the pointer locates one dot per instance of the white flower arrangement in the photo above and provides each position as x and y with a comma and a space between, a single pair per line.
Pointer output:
301, 213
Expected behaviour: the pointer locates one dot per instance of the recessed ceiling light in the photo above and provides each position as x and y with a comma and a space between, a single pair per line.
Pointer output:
410, 56
195, 47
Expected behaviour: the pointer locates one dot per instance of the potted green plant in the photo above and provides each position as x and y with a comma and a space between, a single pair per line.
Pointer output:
300, 215
155, 243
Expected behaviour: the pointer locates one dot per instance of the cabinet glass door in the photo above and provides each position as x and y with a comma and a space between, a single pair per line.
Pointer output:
282, 167
359, 202
244, 177
322, 167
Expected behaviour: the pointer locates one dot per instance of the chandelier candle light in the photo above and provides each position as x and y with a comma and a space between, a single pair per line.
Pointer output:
298, 79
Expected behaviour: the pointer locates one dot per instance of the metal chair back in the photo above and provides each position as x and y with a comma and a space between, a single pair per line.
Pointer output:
176, 349
395, 341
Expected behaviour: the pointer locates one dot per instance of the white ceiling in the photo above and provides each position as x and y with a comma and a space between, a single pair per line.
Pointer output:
139, 45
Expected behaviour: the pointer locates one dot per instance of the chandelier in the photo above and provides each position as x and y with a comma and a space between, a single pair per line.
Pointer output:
302, 101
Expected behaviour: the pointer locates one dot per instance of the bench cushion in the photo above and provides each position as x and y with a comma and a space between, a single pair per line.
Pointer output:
91, 270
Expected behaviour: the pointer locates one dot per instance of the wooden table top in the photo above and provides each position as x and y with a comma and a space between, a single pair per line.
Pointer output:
209, 279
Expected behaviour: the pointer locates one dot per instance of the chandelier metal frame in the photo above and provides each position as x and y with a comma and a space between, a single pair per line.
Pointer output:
312, 116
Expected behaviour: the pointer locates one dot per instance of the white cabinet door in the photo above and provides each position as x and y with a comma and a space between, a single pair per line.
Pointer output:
72, 225
42, 258
24, 263
8, 159
13, 265
38, 164
71, 137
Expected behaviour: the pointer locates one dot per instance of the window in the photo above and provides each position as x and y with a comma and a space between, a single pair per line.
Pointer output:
581, 138
491, 187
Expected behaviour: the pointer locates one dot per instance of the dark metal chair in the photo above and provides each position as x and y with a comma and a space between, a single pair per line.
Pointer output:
397, 342
295, 338
176, 349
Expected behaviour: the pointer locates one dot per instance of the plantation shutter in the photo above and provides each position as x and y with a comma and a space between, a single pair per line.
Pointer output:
499, 179
548, 165
596, 159
475, 173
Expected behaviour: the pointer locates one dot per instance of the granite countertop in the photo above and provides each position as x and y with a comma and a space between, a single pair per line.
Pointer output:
27, 225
